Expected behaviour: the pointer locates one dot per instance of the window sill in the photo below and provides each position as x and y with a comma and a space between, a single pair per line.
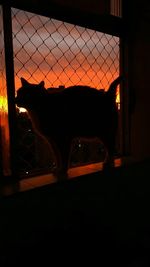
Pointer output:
47, 179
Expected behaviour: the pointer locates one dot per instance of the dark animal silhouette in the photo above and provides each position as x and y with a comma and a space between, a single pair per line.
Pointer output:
62, 114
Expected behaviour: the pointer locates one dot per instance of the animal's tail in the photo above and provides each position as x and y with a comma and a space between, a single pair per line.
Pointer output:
113, 87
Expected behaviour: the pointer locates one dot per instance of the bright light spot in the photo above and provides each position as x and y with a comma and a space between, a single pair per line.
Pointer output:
118, 97
3, 104
22, 110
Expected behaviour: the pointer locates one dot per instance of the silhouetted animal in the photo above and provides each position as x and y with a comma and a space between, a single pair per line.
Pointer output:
76, 111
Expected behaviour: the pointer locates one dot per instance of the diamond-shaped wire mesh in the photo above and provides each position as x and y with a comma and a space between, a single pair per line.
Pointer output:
61, 53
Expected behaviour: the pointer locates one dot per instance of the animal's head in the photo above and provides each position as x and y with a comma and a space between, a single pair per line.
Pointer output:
30, 95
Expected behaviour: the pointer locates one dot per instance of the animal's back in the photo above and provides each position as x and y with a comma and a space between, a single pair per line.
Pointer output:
81, 110
72, 112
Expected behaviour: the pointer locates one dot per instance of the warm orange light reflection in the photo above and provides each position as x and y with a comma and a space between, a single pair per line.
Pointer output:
118, 95
4, 133
3, 104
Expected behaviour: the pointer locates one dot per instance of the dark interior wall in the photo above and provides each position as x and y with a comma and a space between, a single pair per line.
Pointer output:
98, 7
95, 6
138, 21
90, 14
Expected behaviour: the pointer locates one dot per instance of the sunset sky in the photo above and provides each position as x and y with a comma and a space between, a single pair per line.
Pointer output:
61, 53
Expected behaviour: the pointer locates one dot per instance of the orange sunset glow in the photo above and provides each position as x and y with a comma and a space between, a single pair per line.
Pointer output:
61, 53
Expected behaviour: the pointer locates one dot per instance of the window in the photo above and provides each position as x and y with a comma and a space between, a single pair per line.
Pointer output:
61, 54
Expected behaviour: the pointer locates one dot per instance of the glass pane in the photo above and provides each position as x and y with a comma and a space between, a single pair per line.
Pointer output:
61, 54
4, 126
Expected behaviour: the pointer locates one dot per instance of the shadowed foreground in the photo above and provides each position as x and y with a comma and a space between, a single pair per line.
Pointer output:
101, 219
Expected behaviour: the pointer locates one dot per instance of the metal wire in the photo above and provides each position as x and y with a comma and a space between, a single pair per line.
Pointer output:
63, 54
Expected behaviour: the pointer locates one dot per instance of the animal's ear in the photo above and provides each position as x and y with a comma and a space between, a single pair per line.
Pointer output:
24, 82
41, 84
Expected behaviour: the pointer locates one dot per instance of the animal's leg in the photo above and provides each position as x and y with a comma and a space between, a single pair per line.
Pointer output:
62, 154
108, 162
109, 159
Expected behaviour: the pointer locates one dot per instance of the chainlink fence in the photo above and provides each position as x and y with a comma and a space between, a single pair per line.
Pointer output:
61, 54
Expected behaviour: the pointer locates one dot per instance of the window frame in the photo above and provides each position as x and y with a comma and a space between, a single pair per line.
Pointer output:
104, 23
